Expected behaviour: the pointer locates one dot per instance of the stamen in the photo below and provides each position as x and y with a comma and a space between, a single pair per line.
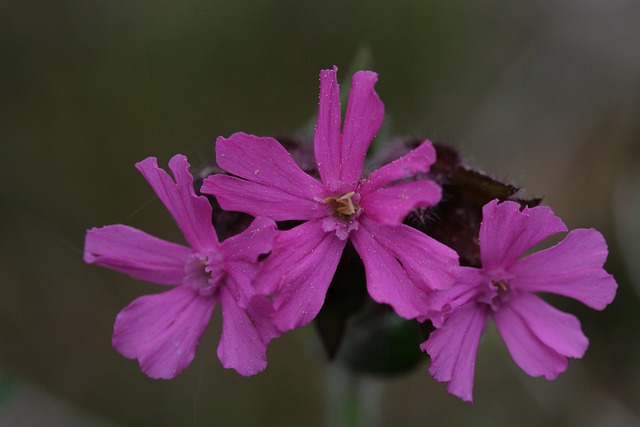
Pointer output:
347, 207
204, 273
343, 205
500, 285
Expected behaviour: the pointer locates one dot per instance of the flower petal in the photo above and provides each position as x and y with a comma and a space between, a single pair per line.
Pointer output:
362, 121
299, 272
133, 252
453, 349
272, 184
390, 205
445, 302
245, 334
327, 143
572, 268
239, 195
387, 281
255, 240
162, 330
241, 254
430, 264
529, 352
559, 330
417, 160
191, 212
506, 232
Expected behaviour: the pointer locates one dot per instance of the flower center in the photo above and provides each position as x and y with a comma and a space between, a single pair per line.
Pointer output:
497, 293
500, 285
345, 206
204, 273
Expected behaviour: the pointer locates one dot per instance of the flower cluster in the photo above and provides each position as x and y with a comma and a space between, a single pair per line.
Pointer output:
269, 281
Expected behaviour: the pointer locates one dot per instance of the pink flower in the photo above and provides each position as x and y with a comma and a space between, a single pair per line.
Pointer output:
402, 264
162, 330
538, 336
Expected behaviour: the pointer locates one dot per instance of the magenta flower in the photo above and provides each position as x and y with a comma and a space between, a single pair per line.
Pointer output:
538, 336
402, 264
162, 330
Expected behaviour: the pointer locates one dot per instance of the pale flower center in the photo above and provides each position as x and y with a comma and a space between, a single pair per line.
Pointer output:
345, 206
499, 293
204, 273
500, 285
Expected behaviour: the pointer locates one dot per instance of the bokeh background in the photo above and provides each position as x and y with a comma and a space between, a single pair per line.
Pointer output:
545, 94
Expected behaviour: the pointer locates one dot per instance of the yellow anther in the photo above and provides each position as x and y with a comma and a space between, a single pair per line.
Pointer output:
343, 205
500, 285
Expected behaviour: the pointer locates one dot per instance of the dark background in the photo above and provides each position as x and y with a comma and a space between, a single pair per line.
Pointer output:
545, 94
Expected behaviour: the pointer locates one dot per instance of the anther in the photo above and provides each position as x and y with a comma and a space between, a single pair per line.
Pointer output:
500, 285
343, 205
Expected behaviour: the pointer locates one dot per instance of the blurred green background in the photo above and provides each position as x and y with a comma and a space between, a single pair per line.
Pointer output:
546, 94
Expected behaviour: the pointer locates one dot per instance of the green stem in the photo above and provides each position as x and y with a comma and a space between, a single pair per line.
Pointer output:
352, 400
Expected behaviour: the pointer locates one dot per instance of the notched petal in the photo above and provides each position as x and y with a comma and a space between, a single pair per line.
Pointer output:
191, 212
453, 349
136, 253
162, 330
